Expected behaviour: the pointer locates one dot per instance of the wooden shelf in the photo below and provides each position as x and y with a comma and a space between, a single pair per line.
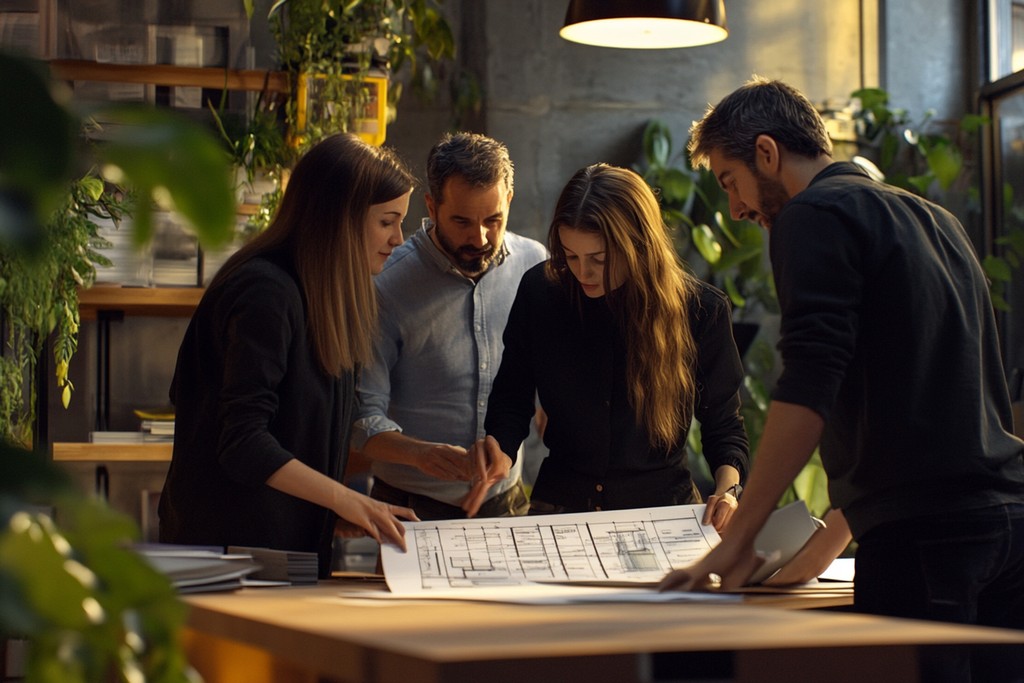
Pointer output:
168, 74
112, 452
152, 301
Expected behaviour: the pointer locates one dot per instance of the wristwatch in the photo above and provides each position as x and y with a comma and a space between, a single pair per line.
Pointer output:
736, 490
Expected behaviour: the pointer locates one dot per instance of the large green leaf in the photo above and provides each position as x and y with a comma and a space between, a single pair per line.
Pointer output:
707, 245
36, 144
657, 144
945, 161
174, 161
36, 133
996, 268
676, 186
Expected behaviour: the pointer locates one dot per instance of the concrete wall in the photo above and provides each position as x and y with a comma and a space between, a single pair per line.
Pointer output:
560, 105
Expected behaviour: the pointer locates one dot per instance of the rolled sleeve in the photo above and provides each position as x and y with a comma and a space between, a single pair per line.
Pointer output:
374, 388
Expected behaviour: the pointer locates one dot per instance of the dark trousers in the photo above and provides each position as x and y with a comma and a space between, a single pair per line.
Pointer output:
965, 568
510, 503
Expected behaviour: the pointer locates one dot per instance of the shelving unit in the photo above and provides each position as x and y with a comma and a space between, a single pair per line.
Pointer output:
170, 75
106, 304
153, 301
112, 452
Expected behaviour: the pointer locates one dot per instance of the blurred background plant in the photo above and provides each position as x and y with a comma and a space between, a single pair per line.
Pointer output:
90, 608
937, 160
340, 56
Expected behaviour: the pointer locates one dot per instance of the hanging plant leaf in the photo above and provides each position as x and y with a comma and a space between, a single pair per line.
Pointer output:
945, 161
707, 245
176, 162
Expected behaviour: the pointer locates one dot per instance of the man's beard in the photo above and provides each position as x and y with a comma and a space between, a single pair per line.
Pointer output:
771, 197
470, 261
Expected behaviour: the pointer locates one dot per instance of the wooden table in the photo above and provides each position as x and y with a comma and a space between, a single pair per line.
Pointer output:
308, 634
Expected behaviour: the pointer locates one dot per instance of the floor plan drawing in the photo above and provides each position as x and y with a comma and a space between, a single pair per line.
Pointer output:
626, 545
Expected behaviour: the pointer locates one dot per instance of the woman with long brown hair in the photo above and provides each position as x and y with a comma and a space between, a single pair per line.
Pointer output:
623, 348
264, 383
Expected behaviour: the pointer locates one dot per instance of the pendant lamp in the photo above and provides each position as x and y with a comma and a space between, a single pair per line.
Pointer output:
645, 24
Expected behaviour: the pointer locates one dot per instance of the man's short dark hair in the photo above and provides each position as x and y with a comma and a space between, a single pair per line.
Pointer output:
759, 107
479, 160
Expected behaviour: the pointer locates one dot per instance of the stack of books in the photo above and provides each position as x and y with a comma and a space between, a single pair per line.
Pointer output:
116, 437
157, 425
295, 567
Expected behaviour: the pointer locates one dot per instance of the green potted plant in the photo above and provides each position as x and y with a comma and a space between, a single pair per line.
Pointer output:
89, 607
348, 62
343, 56
39, 287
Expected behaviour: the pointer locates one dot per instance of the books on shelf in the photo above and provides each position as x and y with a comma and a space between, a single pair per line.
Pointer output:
156, 426
116, 437
158, 430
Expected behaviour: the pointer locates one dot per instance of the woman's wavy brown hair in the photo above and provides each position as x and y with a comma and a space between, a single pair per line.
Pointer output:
652, 305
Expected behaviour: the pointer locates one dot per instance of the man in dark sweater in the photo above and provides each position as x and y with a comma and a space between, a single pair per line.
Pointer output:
891, 363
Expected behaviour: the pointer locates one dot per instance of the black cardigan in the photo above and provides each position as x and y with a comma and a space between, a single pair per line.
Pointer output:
573, 357
250, 395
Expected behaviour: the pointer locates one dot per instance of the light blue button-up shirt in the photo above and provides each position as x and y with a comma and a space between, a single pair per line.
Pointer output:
439, 349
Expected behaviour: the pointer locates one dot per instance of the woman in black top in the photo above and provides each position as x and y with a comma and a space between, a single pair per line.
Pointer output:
264, 383
623, 348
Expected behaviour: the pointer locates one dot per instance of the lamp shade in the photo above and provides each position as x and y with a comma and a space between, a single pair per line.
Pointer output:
645, 24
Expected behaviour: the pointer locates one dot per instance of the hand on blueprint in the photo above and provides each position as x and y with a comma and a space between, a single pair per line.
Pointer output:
491, 466
728, 565
373, 517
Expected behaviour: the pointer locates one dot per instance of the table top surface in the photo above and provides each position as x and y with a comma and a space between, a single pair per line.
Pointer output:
334, 629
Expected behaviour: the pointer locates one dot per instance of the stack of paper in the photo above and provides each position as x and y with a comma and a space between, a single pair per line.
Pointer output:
281, 565
116, 437
199, 569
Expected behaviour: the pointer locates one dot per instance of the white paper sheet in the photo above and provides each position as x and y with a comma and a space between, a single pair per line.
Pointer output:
543, 594
622, 545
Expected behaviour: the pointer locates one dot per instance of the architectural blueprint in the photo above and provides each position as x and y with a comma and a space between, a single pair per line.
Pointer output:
622, 545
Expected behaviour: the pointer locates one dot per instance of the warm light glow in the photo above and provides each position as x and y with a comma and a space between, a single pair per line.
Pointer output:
645, 33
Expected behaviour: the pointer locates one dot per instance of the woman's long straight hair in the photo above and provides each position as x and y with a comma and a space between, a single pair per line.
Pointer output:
321, 224
652, 305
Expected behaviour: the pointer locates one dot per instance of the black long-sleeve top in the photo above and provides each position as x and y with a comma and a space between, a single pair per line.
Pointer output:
249, 396
571, 354
888, 333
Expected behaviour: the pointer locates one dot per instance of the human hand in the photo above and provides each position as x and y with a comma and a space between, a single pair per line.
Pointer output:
726, 566
492, 465
362, 515
719, 510
805, 566
445, 462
